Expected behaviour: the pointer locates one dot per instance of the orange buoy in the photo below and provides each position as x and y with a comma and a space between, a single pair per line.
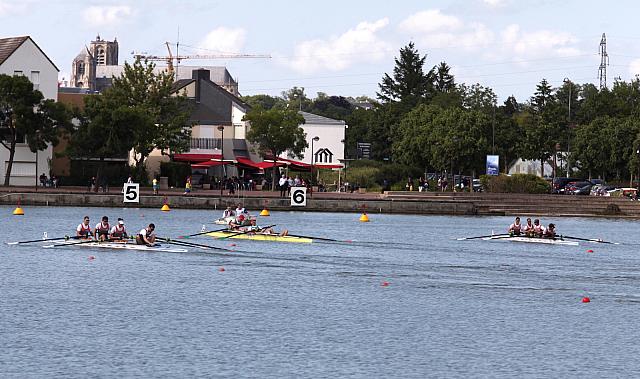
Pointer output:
364, 218
586, 299
265, 212
385, 284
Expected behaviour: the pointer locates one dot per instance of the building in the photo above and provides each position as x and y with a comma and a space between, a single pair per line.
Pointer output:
98, 54
22, 56
328, 149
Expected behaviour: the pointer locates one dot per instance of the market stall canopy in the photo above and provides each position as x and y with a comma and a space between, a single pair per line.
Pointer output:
261, 165
194, 157
210, 163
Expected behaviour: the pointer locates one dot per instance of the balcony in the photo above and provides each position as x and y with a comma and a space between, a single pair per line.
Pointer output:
205, 143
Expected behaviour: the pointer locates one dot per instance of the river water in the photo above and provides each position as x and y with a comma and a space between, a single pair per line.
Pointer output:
448, 308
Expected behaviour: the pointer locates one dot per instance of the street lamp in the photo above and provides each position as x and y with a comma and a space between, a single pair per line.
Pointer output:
221, 129
638, 164
568, 82
316, 139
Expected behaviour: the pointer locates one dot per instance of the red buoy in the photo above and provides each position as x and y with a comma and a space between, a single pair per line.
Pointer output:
589, 251
586, 299
91, 257
232, 244
221, 269
385, 284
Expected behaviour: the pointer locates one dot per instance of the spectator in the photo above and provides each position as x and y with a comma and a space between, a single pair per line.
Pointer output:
409, 185
91, 184
283, 184
187, 186
156, 186
54, 181
43, 180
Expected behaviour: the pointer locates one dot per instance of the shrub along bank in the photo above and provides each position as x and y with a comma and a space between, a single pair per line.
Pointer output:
517, 183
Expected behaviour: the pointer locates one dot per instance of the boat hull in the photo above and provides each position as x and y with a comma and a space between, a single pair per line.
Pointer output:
546, 241
259, 237
119, 245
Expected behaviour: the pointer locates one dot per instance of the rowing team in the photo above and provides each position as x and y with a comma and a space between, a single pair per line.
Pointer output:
240, 210
103, 231
534, 229
245, 224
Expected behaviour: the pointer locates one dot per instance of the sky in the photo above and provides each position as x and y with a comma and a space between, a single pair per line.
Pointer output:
345, 47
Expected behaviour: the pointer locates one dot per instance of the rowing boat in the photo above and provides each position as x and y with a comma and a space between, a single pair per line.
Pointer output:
547, 241
259, 237
119, 245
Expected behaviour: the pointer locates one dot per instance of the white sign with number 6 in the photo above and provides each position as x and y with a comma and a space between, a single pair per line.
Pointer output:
299, 196
131, 192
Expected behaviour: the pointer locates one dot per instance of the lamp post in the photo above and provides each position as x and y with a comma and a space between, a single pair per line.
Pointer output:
568, 82
638, 164
316, 139
221, 129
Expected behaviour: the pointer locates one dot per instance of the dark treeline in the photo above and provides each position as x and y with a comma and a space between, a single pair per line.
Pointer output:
424, 119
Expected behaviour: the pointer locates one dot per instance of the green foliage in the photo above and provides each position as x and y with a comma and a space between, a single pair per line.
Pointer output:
25, 113
517, 183
265, 101
409, 84
176, 172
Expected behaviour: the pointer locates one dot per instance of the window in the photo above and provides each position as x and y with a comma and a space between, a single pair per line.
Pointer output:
35, 79
81, 68
17, 73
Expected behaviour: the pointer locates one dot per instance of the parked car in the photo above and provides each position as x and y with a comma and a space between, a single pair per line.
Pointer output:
477, 186
558, 184
601, 190
586, 190
570, 187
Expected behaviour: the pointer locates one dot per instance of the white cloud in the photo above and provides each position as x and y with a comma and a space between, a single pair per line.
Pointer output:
540, 43
634, 67
106, 15
430, 21
494, 3
7, 8
224, 40
359, 44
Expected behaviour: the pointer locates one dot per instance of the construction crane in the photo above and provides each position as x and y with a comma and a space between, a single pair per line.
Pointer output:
169, 59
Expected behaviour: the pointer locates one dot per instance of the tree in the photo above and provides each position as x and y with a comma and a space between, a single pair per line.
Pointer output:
275, 131
266, 102
410, 84
296, 98
542, 97
161, 117
478, 98
24, 113
443, 80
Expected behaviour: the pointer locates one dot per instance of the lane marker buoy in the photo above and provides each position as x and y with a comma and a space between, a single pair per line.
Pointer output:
265, 212
589, 251
91, 257
221, 269
165, 207
385, 284
586, 299
18, 211
364, 218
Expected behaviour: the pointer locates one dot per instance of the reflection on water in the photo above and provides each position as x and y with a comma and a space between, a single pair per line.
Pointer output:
452, 308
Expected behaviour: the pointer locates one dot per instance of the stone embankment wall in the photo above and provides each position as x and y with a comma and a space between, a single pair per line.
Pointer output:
390, 202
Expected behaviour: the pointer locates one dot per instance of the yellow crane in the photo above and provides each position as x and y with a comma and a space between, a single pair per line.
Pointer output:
169, 59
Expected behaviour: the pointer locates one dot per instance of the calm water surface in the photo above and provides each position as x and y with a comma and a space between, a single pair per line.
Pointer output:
451, 309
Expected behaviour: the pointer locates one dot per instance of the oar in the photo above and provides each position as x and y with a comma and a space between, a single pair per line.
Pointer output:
235, 234
43, 240
318, 238
490, 235
70, 244
190, 244
597, 240
202, 232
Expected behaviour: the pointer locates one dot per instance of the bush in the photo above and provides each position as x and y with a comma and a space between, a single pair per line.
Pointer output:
177, 172
516, 183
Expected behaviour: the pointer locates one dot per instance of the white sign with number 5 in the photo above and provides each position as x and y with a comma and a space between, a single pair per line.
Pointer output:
299, 196
131, 192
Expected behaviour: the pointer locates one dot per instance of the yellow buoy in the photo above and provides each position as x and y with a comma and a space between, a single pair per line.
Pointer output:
18, 211
364, 218
165, 208
264, 212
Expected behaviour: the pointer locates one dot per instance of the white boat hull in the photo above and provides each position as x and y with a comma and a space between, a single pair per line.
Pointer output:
547, 241
118, 245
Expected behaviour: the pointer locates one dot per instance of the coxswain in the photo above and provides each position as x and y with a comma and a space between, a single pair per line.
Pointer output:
84, 229
102, 229
538, 230
118, 231
528, 228
550, 232
515, 228
228, 213
146, 236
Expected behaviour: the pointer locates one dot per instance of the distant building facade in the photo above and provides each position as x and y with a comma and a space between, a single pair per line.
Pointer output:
99, 53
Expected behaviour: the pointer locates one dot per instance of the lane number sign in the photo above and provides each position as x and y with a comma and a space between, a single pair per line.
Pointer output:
131, 192
299, 196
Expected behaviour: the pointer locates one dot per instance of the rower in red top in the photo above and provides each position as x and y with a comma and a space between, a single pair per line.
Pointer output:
538, 229
550, 232
84, 229
528, 228
118, 231
102, 229
515, 228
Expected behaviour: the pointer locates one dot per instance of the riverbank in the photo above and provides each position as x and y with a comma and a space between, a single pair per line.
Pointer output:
427, 203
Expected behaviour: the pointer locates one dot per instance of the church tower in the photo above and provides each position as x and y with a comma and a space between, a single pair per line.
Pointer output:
99, 53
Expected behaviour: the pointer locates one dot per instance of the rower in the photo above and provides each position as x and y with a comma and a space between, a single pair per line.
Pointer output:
240, 210
550, 232
528, 228
146, 236
538, 230
268, 230
514, 229
118, 231
237, 222
101, 231
228, 213
84, 229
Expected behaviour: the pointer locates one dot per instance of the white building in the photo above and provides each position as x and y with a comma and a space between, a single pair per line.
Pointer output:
328, 150
22, 56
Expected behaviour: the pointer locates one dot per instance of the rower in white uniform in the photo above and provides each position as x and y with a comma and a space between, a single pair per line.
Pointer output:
84, 229
515, 228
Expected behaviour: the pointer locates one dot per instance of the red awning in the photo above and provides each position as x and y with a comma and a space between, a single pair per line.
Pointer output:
193, 157
207, 164
296, 164
261, 165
